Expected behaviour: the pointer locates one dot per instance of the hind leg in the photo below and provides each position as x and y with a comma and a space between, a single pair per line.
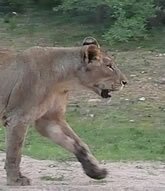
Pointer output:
60, 133
15, 133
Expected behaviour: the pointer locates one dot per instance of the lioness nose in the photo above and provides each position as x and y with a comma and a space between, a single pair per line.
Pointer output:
124, 82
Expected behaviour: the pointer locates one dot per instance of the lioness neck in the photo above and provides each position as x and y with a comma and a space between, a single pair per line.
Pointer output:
56, 65
63, 62
66, 62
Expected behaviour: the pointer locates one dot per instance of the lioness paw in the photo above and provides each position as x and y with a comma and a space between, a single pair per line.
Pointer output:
20, 181
96, 173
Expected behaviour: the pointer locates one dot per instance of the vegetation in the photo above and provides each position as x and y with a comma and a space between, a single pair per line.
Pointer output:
121, 21
111, 134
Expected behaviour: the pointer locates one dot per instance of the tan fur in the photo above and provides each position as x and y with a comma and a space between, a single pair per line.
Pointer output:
34, 86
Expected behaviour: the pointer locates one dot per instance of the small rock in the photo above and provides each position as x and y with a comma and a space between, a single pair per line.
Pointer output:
94, 100
52, 165
159, 55
142, 99
133, 75
91, 115
132, 120
14, 13
162, 81
139, 167
126, 99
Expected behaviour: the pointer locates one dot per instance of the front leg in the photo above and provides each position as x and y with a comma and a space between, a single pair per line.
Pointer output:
15, 133
60, 133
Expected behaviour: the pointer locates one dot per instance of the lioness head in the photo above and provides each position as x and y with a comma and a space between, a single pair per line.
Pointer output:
99, 71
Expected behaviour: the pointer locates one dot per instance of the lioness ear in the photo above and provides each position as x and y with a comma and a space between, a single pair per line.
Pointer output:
92, 52
90, 40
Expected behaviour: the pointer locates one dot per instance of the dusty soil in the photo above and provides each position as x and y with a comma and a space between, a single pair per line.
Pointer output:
51, 176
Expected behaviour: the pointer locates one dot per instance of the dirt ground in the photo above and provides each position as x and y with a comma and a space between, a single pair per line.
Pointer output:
68, 176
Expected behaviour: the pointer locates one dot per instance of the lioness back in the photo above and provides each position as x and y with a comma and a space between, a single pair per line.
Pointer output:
29, 74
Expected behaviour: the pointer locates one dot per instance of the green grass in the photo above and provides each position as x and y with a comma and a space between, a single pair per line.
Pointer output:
110, 134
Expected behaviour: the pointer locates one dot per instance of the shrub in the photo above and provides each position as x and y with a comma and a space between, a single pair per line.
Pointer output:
130, 20
95, 11
126, 18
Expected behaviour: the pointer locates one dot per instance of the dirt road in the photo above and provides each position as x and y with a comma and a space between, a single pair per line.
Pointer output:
68, 176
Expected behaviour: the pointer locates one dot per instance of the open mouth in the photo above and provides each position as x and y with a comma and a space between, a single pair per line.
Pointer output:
105, 93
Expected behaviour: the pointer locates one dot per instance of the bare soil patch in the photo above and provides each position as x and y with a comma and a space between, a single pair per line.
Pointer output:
51, 175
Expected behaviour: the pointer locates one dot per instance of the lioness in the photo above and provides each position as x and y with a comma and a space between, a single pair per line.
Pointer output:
34, 87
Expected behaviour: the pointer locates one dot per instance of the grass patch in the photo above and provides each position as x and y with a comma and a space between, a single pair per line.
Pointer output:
110, 134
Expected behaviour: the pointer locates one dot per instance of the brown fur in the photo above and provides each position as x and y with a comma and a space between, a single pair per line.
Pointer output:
34, 86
